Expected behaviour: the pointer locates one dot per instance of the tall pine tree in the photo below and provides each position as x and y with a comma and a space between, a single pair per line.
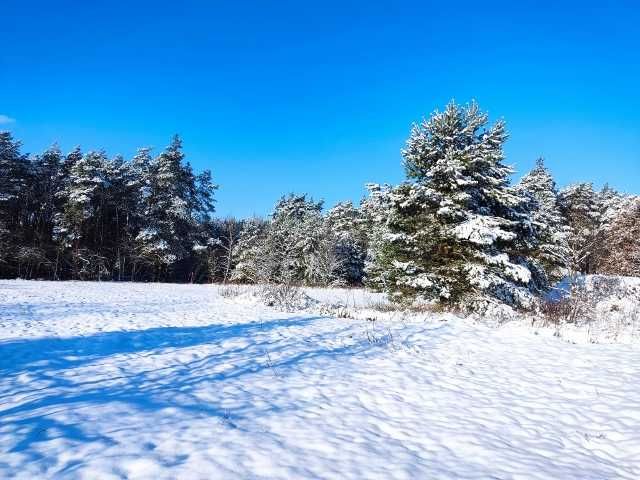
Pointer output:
550, 250
457, 229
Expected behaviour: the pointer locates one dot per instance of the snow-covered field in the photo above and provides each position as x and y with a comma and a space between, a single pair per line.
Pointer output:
175, 381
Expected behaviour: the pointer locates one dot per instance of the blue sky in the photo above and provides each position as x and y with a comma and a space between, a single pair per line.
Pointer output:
319, 97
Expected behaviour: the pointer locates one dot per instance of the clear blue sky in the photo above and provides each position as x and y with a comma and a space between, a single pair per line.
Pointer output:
319, 97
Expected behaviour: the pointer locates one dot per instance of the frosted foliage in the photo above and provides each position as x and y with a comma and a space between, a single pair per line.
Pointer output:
456, 231
483, 230
550, 249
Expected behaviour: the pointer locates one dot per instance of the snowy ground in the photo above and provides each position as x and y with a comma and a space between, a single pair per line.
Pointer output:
175, 381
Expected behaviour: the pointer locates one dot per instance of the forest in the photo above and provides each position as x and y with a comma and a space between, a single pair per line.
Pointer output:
457, 231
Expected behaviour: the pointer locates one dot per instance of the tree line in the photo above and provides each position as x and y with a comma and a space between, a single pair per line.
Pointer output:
85, 216
455, 232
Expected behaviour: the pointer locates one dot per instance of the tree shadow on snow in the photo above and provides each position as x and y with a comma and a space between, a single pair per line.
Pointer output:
51, 353
43, 378
55, 311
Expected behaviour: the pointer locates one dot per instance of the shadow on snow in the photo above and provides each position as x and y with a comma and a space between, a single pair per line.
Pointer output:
40, 377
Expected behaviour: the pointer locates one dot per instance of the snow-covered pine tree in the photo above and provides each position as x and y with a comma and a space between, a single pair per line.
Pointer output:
347, 232
247, 253
581, 209
161, 240
375, 213
15, 183
47, 183
127, 195
293, 241
621, 249
37, 252
79, 225
551, 250
457, 230
610, 203
120, 217
295, 246
176, 202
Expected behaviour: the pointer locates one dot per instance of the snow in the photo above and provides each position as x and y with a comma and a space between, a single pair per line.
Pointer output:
107, 380
610, 309
483, 230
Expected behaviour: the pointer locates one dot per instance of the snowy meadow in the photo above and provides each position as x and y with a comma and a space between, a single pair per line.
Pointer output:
122, 380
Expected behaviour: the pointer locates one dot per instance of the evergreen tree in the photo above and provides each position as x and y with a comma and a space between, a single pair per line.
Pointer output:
457, 230
296, 246
621, 249
167, 234
581, 210
15, 182
247, 254
375, 210
121, 218
37, 250
347, 232
589, 215
80, 225
293, 240
551, 250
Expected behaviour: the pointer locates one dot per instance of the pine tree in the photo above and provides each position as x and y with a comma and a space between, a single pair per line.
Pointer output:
621, 249
551, 250
581, 210
37, 250
295, 233
176, 203
296, 246
15, 182
248, 255
347, 232
163, 238
80, 225
121, 218
457, 229
375, 209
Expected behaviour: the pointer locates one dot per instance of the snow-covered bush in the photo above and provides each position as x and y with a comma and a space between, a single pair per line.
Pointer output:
285, 296
607, 308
